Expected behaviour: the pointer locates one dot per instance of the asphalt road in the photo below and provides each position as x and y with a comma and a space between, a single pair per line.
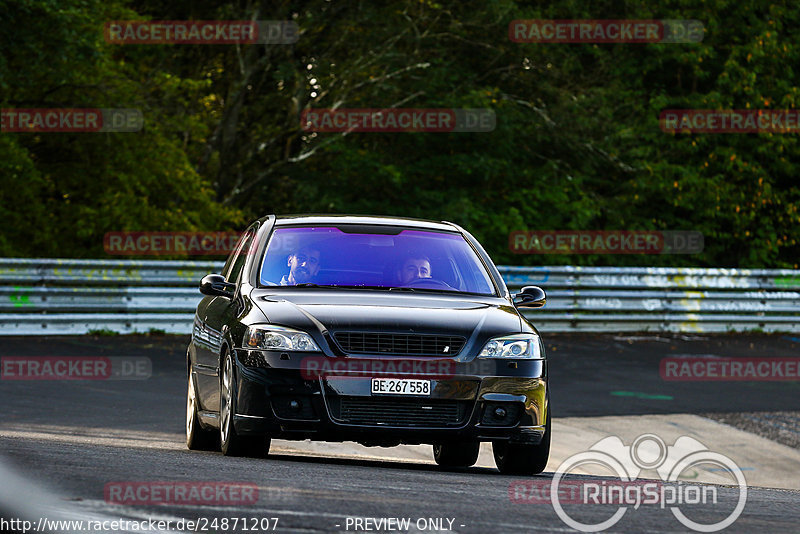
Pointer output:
72, 438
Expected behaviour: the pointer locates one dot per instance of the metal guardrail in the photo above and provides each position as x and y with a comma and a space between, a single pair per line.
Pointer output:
64, 297
73, 297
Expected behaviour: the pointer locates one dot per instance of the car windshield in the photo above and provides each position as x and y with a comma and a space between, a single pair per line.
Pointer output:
385, 257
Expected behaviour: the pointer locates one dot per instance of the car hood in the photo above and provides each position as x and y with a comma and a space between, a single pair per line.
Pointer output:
320, 312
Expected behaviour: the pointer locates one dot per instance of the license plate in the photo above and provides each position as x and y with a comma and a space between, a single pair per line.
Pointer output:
400, 386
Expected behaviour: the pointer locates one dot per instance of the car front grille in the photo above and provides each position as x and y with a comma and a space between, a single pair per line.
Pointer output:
399, 344
392, 411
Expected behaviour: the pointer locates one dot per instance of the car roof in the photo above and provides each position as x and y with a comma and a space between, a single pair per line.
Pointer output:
322, 219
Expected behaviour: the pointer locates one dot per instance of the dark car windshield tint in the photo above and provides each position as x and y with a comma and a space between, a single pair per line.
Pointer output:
412, 259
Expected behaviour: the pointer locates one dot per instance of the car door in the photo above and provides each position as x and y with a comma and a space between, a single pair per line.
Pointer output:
215, 320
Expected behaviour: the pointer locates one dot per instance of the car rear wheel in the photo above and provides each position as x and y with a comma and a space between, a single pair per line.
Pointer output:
456, 454
522, 459
231, 443
197, 437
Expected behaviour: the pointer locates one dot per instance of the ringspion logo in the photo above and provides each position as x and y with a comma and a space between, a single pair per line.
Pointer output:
393, 120
628, 492
201, 32
605, 31
43, 120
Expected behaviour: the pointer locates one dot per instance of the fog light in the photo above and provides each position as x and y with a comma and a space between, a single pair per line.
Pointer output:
501, 414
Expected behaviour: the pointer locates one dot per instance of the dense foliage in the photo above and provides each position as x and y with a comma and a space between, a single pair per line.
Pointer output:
577, 143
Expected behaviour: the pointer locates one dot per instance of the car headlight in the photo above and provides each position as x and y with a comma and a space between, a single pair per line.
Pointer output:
516, 346
278, 338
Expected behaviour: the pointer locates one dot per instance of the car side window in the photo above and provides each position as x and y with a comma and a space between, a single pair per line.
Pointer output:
233, 268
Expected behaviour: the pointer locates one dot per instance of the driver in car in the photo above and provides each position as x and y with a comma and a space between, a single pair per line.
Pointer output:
303, 266
413, 268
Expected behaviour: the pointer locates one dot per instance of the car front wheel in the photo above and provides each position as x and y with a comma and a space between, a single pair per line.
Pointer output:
523, 459
231, 443
456, 454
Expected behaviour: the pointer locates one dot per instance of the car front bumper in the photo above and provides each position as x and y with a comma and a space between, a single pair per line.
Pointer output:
483, 400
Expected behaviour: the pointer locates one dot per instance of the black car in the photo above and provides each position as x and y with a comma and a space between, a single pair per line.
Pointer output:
370, 329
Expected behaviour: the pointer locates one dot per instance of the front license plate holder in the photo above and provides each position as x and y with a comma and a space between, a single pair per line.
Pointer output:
400, 386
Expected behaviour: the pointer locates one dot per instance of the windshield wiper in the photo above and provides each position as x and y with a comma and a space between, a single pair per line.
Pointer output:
429, 290
336, 286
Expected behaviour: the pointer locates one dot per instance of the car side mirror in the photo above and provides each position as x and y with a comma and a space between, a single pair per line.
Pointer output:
530, 297
216, 285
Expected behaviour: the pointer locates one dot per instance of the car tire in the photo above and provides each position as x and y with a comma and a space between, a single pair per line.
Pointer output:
231, 443
197, 437
463, 454
523, 459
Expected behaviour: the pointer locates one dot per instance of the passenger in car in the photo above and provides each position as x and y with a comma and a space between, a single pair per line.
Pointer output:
303, 266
